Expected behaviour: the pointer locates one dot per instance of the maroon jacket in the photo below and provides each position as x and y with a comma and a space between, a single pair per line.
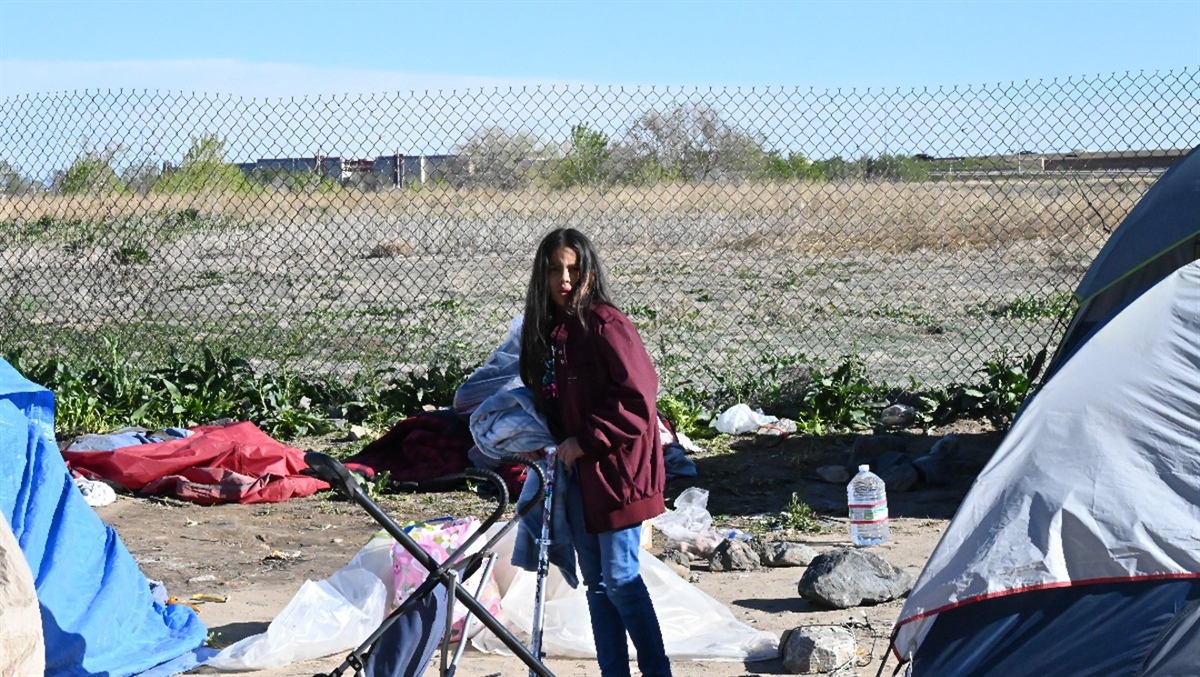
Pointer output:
607, 388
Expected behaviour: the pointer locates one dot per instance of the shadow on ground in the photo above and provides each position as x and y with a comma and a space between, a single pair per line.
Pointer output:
759, 474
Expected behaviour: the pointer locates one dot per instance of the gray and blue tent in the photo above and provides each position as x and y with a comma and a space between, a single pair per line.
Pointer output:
1077, 549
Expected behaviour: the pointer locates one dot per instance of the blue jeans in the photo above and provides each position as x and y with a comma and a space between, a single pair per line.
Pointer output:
618, 600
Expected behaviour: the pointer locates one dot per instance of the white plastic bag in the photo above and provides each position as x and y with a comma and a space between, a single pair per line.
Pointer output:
740, 418
324, 617
690, 524
689, 517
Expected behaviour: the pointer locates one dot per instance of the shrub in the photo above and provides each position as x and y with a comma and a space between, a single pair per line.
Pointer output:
203, 169
90, 173
584, 164
795, 167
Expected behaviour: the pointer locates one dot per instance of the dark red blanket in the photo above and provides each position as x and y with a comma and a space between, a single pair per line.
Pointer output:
425, 447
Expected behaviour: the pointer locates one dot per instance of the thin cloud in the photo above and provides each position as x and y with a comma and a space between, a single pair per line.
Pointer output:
230, 77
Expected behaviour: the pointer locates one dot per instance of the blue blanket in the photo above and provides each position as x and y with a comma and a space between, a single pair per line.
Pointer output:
98, 615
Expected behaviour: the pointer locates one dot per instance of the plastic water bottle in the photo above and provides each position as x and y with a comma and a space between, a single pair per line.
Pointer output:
867, 497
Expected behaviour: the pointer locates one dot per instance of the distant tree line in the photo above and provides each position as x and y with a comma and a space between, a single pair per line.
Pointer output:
687, 143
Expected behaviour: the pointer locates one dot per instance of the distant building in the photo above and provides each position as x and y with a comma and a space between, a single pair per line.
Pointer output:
393, 170
1126, 160
1154, 160
320, 164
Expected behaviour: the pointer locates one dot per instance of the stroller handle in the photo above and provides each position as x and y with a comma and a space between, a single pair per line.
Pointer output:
447, 573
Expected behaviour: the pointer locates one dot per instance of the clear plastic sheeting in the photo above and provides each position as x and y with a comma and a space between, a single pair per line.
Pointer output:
695, 626
689, 524
324, 617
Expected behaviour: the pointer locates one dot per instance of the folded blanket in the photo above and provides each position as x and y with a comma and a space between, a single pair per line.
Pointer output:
508, 423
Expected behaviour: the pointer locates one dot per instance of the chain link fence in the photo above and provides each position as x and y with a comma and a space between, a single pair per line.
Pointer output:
924, 231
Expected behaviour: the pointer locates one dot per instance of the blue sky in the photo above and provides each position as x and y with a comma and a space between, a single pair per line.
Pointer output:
267, 48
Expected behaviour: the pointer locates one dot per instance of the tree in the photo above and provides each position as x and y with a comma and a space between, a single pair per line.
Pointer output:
794, 167
499, 158
693, 141
203, 169
140, 177
585, 161
12, 182
888, 167
91, 172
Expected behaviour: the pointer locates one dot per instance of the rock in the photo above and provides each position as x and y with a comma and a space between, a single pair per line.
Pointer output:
889, 460
869, 448
897, 415
834, 474
945, 448
781, 428
787, 554
934, 467
357, 432
848, 577
933, 470
734, 555
817, 649
677, 561
899, 478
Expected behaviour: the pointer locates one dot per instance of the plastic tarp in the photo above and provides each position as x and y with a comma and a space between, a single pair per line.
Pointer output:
1097, 482
98, 615
324, 617
340, 612
694, 625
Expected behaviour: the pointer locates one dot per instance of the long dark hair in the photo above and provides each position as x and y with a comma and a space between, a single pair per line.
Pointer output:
539, 309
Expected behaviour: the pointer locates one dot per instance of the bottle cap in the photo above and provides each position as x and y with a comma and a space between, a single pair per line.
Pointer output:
864, 468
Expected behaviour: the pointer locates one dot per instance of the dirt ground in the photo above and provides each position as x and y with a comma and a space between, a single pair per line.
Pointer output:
257, 556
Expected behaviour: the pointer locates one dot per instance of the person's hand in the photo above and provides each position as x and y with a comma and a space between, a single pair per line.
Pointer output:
534, 456
569, 451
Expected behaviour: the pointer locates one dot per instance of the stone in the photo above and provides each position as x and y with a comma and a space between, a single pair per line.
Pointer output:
734, 555
849, 577
789, 554
677, 561
817, 649
899, 478
358, 432
933, 470
833, 474
945, 448
897, 415
869, 448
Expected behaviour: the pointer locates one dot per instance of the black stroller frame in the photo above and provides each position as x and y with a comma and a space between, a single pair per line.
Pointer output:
458, 566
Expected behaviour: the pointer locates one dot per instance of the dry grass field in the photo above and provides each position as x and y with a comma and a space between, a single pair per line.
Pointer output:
923, 280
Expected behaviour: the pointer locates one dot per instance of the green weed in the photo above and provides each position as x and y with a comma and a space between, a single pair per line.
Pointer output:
1035, 307
688, 417
127, 255
798, 516
998, 397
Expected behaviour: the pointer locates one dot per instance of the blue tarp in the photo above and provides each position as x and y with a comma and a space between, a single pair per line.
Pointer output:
98, 615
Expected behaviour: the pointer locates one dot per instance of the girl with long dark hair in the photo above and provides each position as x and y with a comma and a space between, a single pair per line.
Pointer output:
591, 376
